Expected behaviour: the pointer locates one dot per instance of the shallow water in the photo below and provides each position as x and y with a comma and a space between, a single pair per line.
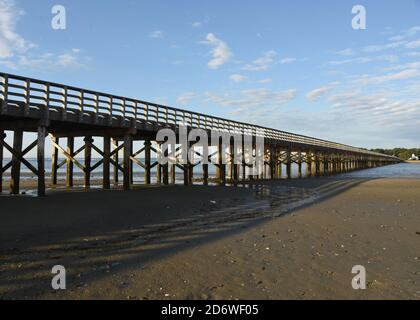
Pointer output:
401, 170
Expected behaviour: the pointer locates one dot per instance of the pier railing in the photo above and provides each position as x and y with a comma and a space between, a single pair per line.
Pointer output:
31, 93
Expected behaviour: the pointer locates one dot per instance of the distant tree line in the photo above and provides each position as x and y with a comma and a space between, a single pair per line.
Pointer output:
402, 153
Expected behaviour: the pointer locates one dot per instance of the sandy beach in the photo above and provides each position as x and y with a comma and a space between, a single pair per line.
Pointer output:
287, 239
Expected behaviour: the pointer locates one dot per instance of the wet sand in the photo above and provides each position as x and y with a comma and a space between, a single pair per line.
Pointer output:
296, 239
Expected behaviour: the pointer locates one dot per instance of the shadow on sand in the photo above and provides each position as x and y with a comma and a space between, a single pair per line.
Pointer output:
96, 234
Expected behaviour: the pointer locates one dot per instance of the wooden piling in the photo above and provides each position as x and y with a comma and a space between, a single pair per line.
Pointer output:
300, 164
147, 161
205, 174
54, 161
127, 162
165, 169
116, 161
279, 172
42, 132
106, 183
2, 137
88, 160
289, 164
221, 170
172, 173
16, 165
69, 162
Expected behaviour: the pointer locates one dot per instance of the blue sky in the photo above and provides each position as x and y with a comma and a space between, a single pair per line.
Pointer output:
297, 66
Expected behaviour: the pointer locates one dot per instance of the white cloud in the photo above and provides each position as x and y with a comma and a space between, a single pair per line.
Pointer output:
263, 63
221, 52
186, 98
48, 61
413, 44
406, 34
346, 52
10, 41
402, 75
287, 60
238, 78
392, 45
157, 34
16, 52
315, 94
196, 24
266, 80
359, 60
362, 60
252, 99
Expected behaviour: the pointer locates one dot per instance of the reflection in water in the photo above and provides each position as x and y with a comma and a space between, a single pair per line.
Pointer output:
400, 170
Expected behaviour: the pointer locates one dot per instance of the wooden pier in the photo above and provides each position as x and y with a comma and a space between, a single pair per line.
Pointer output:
64, 113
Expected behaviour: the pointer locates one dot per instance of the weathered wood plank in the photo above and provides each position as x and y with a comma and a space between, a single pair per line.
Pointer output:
2, 137
16, 164
54, 159
42, 133
127, 163
88, 160
106, 183
69, 162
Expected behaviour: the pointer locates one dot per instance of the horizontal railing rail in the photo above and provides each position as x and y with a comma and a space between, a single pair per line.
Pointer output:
31, 93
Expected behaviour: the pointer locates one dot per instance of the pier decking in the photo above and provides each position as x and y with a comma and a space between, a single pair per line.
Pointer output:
65, 112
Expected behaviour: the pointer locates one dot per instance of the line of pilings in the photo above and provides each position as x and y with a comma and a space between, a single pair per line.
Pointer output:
118, 158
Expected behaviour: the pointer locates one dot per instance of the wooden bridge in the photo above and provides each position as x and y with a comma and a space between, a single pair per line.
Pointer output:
66, 112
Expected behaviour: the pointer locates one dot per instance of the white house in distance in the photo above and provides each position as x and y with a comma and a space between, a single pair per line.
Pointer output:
413, 157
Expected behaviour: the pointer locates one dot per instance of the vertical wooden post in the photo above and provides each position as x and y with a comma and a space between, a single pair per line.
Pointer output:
106, 183
159, 173
205, 174
15, 174
326, 164
279, 164
88, 159
308, 164
116, 160
234, 167
289, 164
318, 164
2, 137
147, 153
54, 161
131, 164
172, 173
69, 162
42, 132
127, 161
190, 173
186, 170
221, 172
165, 169
243, 159
300, 164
